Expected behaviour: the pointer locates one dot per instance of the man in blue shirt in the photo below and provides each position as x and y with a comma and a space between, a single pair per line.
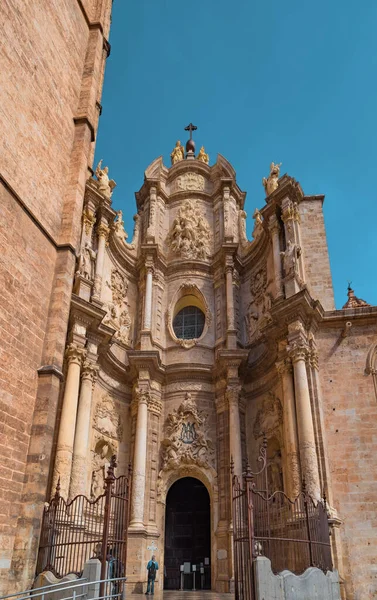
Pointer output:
152, 568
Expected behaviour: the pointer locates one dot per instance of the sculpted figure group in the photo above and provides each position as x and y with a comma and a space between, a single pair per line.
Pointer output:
189, 236
178, 154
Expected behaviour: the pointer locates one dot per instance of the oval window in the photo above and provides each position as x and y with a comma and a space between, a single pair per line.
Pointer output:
188, 323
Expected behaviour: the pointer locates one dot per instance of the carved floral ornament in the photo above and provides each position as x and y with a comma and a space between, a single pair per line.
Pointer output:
190, 236
191, 292
269, 418
187, 440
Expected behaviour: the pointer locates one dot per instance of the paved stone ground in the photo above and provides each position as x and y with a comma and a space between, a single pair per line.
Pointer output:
185, 595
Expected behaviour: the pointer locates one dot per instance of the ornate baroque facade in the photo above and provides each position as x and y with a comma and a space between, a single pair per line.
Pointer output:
94, 358
271, 357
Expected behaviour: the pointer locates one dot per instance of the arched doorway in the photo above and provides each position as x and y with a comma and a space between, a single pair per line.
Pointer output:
187, 534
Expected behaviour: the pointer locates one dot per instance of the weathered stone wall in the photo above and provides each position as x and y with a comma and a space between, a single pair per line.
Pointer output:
54, 58
315, 251
350, 411
24, 299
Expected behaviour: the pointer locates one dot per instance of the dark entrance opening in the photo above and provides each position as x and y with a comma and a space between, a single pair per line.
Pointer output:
187, 535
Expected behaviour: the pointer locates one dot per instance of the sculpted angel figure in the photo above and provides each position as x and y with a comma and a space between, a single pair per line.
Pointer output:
271, 183
178, 153
203, 156
106, 185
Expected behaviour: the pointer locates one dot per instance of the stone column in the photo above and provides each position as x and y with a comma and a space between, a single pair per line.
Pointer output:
232, 395
83, 424
139, 461
148, 299
103, 234
274, 228
64, 449
306, 437
151, 231
231, 331
292, 462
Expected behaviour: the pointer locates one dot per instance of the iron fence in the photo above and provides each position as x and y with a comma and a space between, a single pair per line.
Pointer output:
293, 534
75, 531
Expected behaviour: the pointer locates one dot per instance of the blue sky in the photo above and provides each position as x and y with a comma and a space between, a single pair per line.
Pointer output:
290, 81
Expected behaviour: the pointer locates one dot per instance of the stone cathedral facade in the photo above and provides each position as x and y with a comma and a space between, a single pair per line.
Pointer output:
192, 342
177, 350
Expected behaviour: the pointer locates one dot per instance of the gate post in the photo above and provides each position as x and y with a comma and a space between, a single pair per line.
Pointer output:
109, 482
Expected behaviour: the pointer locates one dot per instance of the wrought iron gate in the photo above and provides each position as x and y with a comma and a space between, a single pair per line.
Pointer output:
72, 532
294, 535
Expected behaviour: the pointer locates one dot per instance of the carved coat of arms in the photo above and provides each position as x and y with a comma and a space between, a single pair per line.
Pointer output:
187, 441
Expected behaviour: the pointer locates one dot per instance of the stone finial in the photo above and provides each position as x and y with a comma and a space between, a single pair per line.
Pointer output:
353, 301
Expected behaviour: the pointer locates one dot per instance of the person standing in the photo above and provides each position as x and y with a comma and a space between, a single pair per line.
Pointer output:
152, 568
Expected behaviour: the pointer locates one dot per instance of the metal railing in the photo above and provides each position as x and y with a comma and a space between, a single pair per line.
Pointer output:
74, 531
113, 588
293, 534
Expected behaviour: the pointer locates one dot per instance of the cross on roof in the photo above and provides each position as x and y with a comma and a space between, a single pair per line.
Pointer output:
191, 128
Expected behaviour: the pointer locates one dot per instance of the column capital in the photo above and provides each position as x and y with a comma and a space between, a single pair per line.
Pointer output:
88, 219
103, 230
154, 406
298, 351
89, 371
75, 354
142, 396
232, 393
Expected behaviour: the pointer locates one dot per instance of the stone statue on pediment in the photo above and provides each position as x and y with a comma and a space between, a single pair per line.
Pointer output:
203, 156
106, 185
272, 181
178, 153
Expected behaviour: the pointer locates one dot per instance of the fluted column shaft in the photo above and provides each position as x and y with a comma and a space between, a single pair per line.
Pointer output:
292, 463
64, 449
139, 462
81, 443
148, 300
306, 436
103, 233
235, 429
274, 229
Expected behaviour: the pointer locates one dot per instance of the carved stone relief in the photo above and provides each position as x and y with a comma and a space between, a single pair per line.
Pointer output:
269, 418
189, 182
190, 235
106, 419
258, 313
187, 440
118, 314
